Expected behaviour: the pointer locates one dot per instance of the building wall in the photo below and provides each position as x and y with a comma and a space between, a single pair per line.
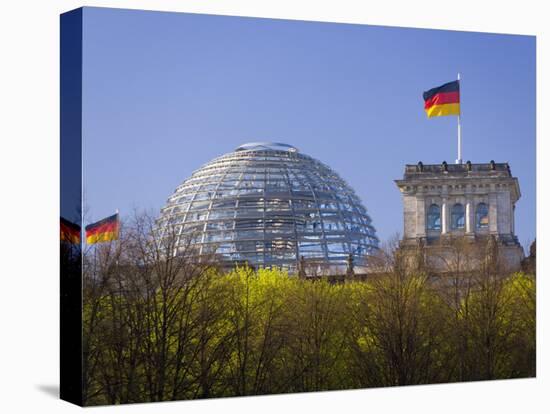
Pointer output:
468, 185
416, 203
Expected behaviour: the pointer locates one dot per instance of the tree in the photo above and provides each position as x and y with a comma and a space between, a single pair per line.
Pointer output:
160, 325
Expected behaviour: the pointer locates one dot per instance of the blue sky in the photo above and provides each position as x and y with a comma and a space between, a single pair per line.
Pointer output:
164, 93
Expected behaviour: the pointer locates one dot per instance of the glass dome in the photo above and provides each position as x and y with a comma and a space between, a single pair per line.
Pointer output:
268, 205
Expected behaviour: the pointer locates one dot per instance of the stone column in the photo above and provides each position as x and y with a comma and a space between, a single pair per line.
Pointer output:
420, 216
513, 218
469, 216
505, 212
493, 211
444, 216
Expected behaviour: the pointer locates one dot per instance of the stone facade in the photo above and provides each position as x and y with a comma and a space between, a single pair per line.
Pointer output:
443, 202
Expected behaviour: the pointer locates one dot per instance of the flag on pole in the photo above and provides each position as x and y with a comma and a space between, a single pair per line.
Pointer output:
70, 232
103, 230
443, 100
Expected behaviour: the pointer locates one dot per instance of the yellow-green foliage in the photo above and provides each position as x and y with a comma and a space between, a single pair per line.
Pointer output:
255, 332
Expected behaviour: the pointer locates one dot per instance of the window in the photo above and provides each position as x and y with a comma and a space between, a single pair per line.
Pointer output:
434, 217
482, 216
457, 216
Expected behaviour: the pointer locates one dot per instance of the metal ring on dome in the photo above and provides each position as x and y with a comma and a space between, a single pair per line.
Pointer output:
274, 146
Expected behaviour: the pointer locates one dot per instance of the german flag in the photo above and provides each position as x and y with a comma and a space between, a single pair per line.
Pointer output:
103, 230
70, 232
443, 100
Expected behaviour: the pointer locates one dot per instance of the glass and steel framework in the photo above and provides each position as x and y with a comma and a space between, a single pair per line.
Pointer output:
434, 217
457, 216
270, 205
482, 216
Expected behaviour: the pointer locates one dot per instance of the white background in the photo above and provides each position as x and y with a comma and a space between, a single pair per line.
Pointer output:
29, 208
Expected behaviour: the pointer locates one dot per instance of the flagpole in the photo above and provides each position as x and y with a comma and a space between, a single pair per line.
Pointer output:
118, 244
459, 159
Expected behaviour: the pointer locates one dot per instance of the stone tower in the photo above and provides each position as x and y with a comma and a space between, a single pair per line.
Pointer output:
469, 202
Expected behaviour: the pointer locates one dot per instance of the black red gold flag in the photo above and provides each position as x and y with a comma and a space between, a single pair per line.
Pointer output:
103, 230
443, 100
70, 232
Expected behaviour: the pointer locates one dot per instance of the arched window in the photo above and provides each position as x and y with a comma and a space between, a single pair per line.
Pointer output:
457, 216
482, 216
434, 217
